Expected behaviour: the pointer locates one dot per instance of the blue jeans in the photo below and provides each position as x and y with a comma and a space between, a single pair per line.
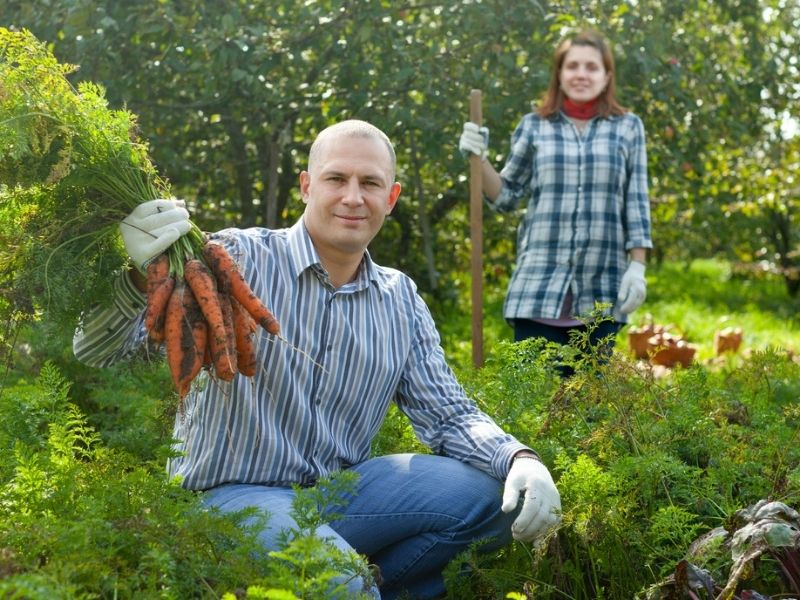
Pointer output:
411, 515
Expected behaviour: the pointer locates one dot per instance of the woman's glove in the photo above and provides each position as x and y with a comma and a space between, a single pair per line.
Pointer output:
474, 140
541, 507
153, 227
633, 289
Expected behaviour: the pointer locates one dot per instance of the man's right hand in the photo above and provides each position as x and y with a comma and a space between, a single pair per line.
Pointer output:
474, 140
153, 227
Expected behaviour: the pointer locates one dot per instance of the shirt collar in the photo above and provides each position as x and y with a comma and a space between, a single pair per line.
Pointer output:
563, 116
303, 255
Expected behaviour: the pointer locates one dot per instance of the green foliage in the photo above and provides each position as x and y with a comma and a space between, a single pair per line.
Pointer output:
700, 297
80, 520
70, 170
57, 234
230, 96
643, 465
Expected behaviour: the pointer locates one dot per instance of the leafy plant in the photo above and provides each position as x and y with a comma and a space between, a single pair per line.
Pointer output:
70, 170
81, 520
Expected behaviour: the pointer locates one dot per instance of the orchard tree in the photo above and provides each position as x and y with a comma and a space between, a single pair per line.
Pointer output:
231, 93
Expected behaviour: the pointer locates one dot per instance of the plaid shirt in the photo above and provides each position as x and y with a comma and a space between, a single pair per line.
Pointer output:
588, 205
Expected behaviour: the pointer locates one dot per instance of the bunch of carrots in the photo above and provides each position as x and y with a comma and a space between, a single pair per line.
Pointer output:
206, 318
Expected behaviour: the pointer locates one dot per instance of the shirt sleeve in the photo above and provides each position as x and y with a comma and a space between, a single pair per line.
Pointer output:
442, 415
517, 172
107, 335
637, 200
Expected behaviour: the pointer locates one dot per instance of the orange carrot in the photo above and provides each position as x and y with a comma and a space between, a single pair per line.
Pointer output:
230, 279
158, 293
244, 327
208, 362
199, 337
185, 338
156, 312
225, 361
157, 272
204, 287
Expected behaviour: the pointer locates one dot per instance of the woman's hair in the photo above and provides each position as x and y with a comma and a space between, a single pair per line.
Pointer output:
607, 103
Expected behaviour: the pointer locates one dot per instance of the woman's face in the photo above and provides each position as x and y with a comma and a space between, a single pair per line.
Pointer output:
583, 77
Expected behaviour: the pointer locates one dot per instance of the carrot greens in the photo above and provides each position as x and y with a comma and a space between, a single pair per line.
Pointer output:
71, 169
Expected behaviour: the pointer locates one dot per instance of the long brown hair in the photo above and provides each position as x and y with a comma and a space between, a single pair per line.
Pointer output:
607, 103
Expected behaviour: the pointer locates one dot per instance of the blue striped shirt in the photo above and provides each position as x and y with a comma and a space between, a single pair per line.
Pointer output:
321, 395
587, 205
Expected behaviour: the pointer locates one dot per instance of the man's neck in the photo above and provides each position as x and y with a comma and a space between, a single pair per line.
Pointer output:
341, 272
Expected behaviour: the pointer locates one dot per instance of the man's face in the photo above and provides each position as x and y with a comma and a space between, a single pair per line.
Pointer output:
348, 193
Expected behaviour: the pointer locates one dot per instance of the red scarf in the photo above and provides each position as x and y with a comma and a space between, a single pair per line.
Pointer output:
583, 111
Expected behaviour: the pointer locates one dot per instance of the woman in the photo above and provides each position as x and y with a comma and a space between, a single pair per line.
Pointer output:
581, 161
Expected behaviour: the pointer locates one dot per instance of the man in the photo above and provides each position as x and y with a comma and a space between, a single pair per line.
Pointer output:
359, 338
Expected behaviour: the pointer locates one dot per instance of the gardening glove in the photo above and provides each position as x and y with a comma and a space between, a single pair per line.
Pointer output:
541, 507
153, 227
633, 289
474, 140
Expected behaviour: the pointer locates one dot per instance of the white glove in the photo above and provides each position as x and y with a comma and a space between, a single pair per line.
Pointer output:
153, 227
633, 289
474, 140
541, 508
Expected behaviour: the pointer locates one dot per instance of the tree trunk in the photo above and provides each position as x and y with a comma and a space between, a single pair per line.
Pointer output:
244, 182
422, 214
782, 239
269, 151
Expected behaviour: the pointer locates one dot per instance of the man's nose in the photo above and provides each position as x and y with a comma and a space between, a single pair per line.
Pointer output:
352, 193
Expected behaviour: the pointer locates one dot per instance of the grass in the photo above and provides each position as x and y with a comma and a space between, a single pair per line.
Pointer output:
701, 297
694, 299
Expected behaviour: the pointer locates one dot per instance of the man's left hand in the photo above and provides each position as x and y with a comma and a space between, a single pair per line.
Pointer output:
541, 508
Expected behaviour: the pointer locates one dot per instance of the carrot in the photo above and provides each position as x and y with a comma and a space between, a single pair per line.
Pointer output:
158, 293
244, 327
157, 272
204, 287
199, 337
230, 279
185, 337
207, 360
226, 362
156, 312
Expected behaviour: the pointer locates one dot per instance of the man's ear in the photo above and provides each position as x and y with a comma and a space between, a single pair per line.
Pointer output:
305, 182
393, 195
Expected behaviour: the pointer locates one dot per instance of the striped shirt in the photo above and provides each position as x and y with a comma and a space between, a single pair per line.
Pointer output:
321, 395
587, 205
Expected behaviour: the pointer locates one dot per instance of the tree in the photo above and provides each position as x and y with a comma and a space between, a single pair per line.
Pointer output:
230, 94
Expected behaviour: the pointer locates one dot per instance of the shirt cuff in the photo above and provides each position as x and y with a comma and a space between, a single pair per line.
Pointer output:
641, 243
129, 300
503, 457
